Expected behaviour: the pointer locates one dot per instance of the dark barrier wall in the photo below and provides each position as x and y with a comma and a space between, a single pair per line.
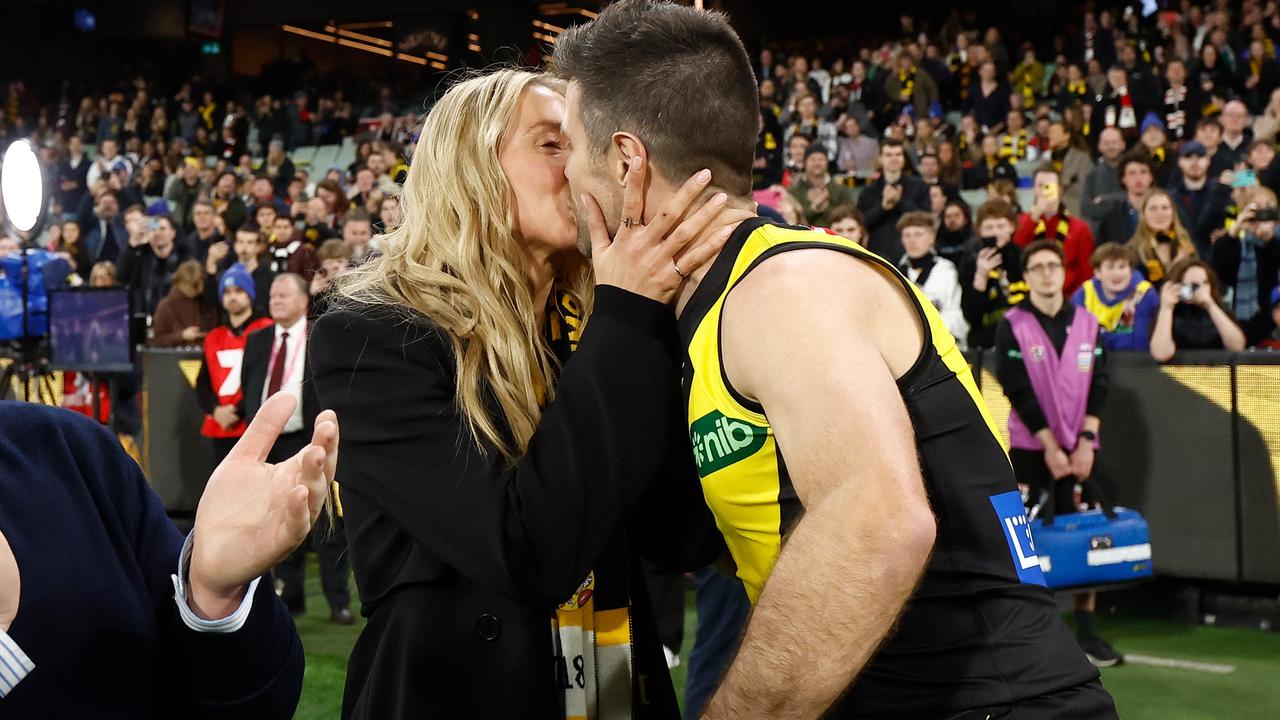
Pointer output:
176, 457
1194, 445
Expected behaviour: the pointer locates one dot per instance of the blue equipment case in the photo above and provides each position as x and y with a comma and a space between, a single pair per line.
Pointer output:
1092, 548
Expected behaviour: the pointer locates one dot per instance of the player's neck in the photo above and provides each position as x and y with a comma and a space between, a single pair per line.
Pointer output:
734, 214
240, 319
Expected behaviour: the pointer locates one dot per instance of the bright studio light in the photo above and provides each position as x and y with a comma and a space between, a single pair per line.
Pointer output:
22, 185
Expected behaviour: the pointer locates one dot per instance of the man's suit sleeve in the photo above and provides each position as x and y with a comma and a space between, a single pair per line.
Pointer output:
253, 373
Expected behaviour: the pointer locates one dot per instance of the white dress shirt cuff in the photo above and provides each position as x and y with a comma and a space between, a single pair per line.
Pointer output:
14, 664
228, 624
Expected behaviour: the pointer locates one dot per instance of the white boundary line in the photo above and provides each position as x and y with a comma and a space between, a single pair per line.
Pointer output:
1214, 668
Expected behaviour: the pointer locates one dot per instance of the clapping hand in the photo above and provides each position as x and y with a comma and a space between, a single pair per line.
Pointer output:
253, 514
892, 194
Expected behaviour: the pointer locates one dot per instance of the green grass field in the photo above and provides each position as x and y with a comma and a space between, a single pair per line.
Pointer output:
1142, 691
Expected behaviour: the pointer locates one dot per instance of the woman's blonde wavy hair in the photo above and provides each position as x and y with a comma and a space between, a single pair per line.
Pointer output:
456, 259
1143, 241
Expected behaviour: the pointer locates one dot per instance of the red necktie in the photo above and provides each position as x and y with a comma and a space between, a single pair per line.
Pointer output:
277, 370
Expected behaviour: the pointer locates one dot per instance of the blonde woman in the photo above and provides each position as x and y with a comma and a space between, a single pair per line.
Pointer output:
1161, 240
487, 474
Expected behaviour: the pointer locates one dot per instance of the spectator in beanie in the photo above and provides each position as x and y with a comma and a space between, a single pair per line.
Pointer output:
1124, 302
1154, 142
183, 318
218, 387
816, 192
889, 197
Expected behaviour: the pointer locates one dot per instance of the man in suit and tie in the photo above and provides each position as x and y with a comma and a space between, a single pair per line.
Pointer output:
275, 360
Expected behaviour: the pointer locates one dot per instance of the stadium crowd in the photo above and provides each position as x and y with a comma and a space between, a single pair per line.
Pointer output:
1144, 145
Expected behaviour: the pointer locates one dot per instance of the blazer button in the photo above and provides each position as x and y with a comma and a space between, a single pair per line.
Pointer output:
488, 627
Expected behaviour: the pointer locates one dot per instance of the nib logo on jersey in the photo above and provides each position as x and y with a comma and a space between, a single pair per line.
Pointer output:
720, 441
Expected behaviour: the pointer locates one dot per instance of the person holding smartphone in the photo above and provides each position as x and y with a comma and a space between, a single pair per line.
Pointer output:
1048, 219
1247, 260
1192, 315
991, 273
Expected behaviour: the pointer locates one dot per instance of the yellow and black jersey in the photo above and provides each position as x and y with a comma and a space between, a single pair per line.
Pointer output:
981, 629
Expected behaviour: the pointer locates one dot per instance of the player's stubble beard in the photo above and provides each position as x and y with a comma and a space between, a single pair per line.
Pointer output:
609, 206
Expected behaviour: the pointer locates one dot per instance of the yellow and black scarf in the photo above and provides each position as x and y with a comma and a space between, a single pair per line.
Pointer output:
1061, 229
592, 629
1014, 147
908, 82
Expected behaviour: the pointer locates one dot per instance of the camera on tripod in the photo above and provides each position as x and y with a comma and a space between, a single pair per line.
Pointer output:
36, 307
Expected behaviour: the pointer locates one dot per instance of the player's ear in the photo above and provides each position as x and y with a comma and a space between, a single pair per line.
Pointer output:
624, 147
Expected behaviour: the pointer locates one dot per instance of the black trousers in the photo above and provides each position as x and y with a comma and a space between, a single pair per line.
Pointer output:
666, 592
329, 543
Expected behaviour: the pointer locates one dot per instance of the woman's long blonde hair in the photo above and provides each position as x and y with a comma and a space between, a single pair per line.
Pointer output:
456, 258
1144, 238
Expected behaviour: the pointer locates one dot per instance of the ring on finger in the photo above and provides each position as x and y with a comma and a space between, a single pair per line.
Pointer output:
629, 222
679, 272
